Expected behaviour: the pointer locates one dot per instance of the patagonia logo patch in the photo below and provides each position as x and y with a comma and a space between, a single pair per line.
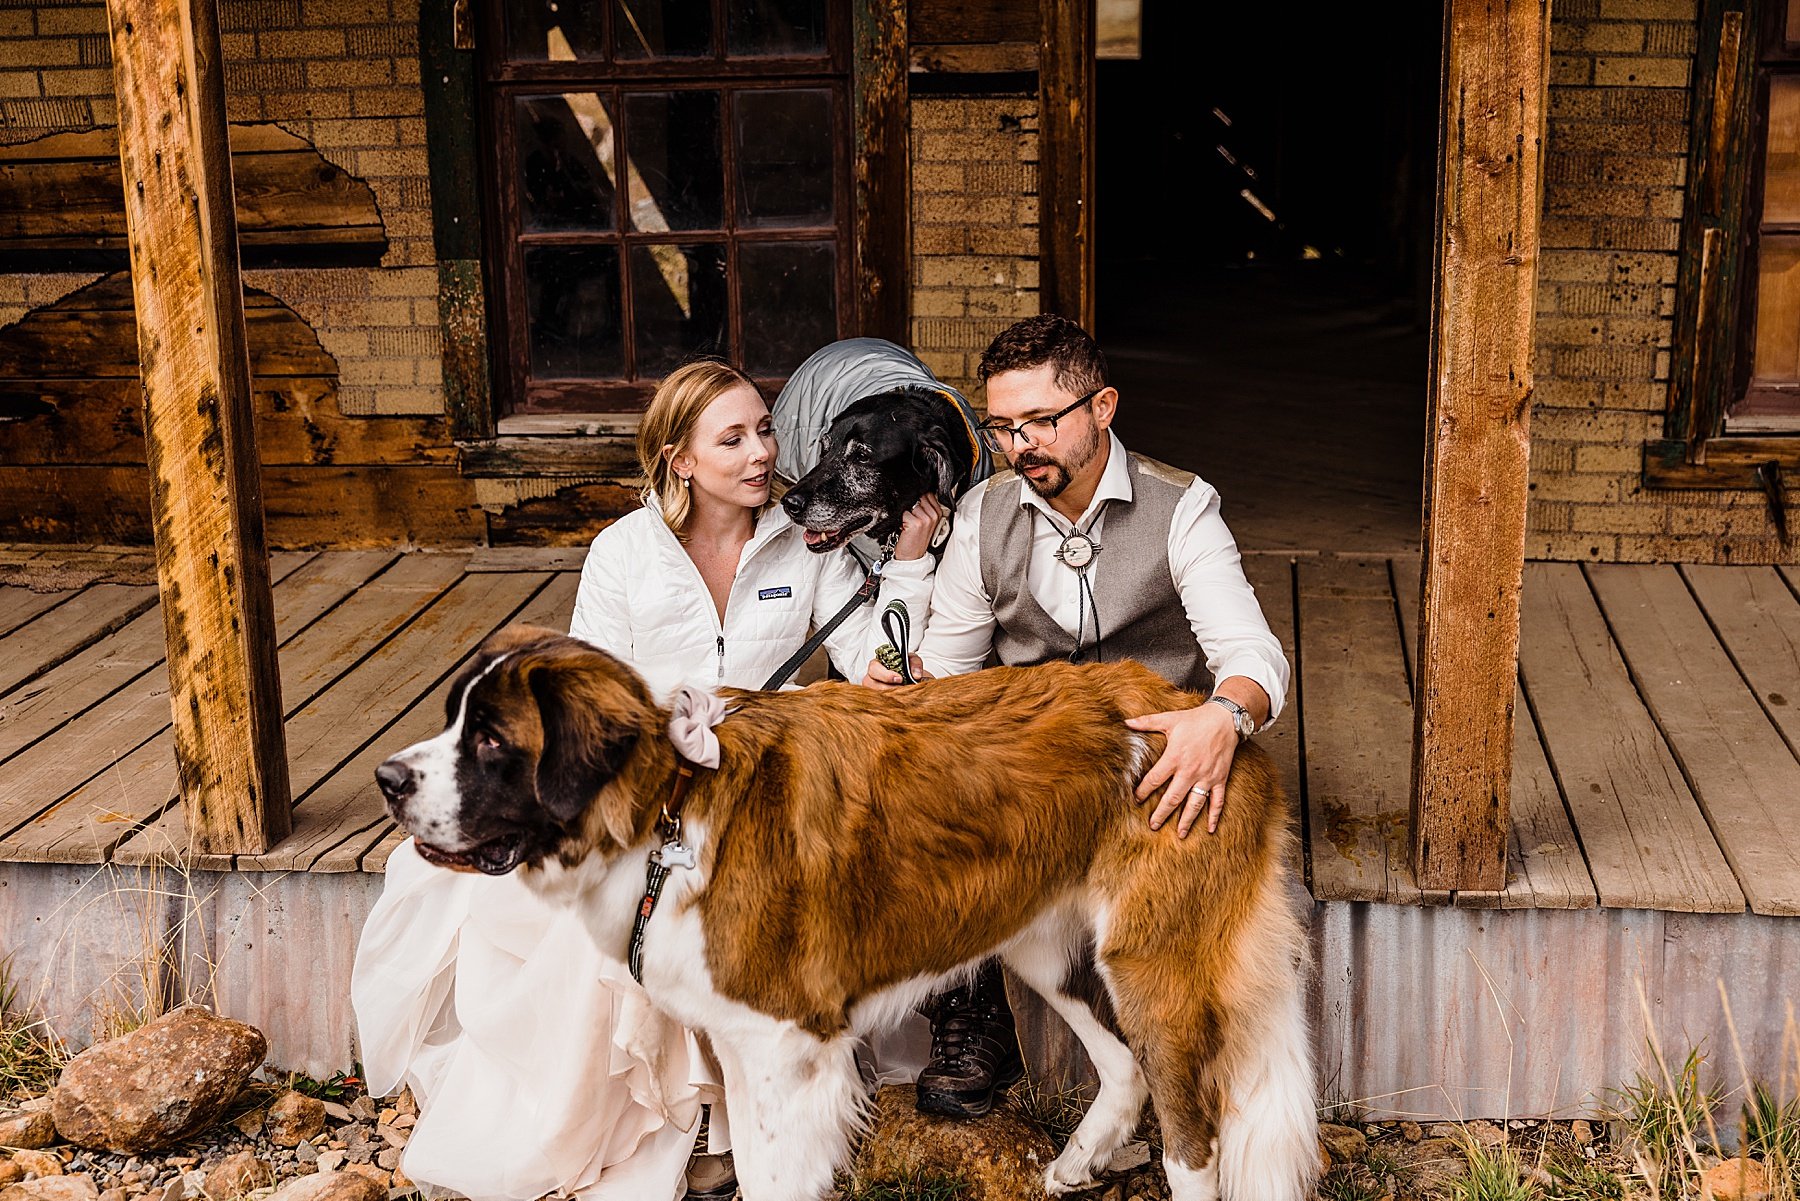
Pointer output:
773, 593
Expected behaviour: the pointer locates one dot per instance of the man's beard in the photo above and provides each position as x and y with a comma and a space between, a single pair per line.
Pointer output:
1061, 474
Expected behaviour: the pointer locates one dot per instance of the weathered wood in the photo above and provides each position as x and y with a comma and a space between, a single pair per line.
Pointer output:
19, 605
212, 557
570, 516
1758, 618
1744, 776
1707, 292
1721, 463
971, 22
89, 677
88, 616
61, 203
1359, 709
881, 232
1647, 844
1544, 865
528, 558
1497, 65
1273, 578
607, 458
305, 507
343, 813
1066, 66
94, 742
1000, 58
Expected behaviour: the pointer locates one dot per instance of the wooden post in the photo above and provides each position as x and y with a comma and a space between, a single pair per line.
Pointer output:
1066, 66
883, 227
1496, 67
205, 488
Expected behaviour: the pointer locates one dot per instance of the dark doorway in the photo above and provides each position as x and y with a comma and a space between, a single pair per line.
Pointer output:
1266, 191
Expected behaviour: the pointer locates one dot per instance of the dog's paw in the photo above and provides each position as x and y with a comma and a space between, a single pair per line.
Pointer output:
1060, 1177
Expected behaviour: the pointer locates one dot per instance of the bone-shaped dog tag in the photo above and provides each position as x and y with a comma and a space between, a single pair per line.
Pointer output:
674, 853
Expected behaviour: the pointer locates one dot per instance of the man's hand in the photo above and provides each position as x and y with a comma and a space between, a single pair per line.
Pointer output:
1194, 765
917, 525
880, 677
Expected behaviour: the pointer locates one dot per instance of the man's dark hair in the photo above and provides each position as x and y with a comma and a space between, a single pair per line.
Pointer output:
1047, 338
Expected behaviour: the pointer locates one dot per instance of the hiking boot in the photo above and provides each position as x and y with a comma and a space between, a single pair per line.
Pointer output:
711, 1178
974, 1049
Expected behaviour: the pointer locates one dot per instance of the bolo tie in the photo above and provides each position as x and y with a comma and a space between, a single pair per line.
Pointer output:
1077, 551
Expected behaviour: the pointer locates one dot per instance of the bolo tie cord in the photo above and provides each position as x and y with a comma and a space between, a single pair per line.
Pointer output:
1084, 587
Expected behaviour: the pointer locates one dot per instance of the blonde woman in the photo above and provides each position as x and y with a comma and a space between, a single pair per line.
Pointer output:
538, 1067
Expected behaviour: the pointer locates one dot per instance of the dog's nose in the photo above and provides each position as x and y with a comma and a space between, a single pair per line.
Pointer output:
395, 780
794, 503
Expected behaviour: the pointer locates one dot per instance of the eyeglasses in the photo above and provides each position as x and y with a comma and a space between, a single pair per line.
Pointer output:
1039, 431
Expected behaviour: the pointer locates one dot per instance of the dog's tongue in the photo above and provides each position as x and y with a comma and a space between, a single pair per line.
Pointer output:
814, 537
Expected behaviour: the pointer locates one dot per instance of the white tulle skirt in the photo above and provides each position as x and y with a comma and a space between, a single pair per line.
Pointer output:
539, 1067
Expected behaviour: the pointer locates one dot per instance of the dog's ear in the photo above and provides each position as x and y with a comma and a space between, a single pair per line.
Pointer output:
587, 738
940, 464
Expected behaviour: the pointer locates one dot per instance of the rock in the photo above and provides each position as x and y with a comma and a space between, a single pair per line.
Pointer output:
294, 1118
79, 1187
31, 1129
1346, 1143
363, 1108
331, 1186
10, 1172
401, 1179
1732, 1180
306, 1153
1484, 1133
1130, 1157
157, 1085
236, 1175
406, 1104
331, 1161
372, 1172
39, 1163
391, 1136
1435, 1162
1582, 1131
1443, 1130
1412, 1132
338, 1113
388, 1159
1000, 1157
250, 1122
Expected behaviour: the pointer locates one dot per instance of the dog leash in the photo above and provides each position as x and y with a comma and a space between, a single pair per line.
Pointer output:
672, 854
896, 623
864, 595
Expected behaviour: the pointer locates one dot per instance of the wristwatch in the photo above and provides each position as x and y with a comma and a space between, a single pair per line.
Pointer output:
1241, 721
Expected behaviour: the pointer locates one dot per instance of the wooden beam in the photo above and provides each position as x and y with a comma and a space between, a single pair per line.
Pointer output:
206, 502
882, 272
1066, 64
1496, 67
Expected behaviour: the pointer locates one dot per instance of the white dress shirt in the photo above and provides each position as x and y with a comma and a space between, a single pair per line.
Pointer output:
1203, 560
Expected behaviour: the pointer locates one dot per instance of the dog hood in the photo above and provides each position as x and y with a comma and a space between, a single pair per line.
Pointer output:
836, 377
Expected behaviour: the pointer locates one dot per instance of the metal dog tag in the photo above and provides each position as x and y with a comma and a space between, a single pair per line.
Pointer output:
673, 853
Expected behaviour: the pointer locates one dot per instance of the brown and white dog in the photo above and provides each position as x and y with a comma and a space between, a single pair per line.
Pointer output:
857, 850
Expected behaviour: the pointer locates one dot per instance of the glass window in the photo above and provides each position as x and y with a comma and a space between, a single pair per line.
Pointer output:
669, 179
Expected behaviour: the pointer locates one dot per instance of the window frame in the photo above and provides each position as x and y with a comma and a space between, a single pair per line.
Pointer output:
500, 80
1716, 286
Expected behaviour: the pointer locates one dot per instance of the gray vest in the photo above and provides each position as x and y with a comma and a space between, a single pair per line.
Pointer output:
1141, 615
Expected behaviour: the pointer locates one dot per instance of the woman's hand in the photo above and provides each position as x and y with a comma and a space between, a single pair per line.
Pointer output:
916, 528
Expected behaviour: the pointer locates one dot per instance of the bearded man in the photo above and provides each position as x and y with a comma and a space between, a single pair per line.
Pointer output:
1085, 551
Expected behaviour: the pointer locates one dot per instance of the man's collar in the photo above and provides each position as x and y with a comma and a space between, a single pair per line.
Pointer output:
1115, 484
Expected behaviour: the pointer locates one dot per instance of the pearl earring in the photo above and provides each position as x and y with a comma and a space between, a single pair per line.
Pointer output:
685, 482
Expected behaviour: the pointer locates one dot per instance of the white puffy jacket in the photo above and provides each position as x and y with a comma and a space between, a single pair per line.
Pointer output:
642, 599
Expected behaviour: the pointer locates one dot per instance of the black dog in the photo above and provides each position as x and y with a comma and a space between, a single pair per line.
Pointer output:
879, 458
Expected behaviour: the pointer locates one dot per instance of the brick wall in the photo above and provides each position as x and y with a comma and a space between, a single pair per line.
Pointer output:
343, 74
1615, 174
975, 226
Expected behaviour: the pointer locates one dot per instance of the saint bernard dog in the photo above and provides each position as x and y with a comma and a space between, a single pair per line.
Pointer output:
854, 851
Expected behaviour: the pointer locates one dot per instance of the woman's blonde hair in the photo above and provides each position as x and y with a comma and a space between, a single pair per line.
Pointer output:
683, 395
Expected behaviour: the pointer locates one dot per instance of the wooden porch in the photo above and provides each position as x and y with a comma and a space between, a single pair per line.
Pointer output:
1650, 855
1654, 764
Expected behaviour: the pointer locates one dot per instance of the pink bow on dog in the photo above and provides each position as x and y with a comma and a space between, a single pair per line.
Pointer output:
691, 721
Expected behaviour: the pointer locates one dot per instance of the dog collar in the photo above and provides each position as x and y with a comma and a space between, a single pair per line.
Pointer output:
962, 419
671, 854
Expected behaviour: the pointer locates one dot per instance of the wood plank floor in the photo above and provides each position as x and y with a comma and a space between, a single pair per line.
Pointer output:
1656, 752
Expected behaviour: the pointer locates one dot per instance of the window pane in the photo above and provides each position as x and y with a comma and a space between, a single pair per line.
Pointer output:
678, 302
784, 165
1781, 183
788, 294
1777, 357
572, 295
564, 180
554, 29
672, 145
662, 28
786, 27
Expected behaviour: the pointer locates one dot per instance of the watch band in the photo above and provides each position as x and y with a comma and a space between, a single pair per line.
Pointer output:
1241, 721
